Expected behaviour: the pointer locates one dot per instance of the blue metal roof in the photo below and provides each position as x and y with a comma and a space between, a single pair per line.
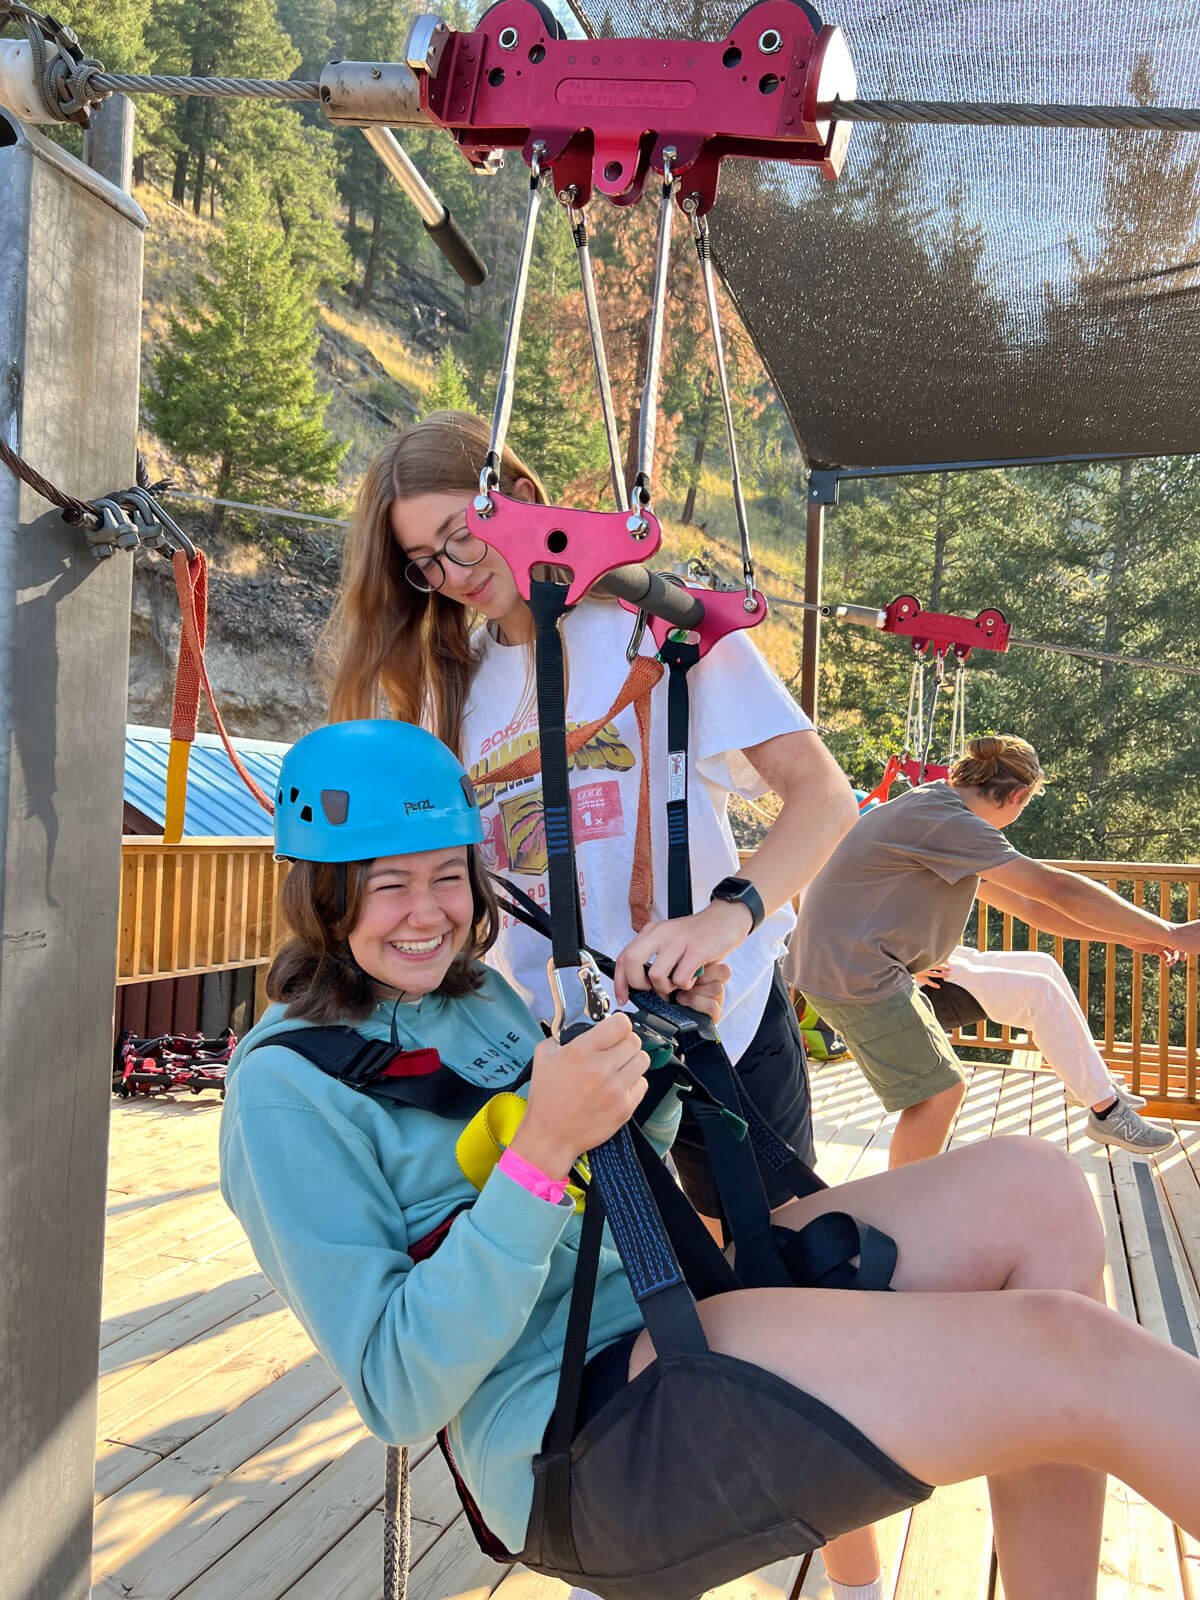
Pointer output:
218, 802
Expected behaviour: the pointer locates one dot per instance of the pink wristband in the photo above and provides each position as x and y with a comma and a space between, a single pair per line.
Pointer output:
524, 1172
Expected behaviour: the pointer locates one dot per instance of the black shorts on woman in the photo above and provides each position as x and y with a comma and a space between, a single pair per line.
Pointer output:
774, 1073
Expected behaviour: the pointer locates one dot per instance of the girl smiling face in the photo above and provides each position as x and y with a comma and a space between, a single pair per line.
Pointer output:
443, 555
417, 914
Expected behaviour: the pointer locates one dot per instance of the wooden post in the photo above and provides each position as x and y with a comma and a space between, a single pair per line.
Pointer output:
814, 556
70, 309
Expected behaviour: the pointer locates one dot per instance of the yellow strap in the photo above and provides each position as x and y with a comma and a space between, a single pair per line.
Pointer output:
489, 1133
177, 776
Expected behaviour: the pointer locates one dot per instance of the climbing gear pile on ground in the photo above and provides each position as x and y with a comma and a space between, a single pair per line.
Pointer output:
170, 1063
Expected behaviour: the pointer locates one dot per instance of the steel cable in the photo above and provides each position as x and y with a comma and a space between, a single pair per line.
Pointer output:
1016, 114
212, 88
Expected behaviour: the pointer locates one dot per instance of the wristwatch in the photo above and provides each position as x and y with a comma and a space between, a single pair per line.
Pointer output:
744, 892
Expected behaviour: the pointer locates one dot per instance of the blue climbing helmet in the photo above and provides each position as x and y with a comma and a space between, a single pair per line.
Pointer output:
357, 790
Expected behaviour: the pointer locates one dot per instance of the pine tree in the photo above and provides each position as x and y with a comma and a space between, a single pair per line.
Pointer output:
235, 382
297, 163
448, 391
233, 38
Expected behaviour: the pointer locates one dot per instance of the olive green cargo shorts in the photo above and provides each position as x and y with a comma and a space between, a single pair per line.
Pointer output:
899, 1044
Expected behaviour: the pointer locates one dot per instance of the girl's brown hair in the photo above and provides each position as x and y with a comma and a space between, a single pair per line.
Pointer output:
385, 636
999, 765
314, 973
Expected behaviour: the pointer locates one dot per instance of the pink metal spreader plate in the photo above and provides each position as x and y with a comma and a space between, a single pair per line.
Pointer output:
605, 110
724, 612
587, 543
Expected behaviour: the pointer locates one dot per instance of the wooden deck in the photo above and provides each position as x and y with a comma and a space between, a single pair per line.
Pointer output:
231, 1467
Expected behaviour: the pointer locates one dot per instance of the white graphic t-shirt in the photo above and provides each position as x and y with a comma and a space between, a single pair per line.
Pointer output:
736, 702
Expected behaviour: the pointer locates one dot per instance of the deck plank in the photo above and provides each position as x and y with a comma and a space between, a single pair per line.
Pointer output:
237, 1505
160, 1410
181, 1281
294, 1538
948, 1552
127, 1520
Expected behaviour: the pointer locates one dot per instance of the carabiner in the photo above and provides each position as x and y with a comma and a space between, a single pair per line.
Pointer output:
594, 1001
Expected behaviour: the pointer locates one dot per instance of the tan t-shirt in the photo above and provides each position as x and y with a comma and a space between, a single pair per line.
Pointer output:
894, 897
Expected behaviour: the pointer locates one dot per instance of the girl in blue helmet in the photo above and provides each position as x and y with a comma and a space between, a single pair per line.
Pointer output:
986, 1360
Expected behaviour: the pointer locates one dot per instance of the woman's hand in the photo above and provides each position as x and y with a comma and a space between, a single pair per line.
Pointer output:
933, 977
668, 956
1153, 947
707, 994
580, 1094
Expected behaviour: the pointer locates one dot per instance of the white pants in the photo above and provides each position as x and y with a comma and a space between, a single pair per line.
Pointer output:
1029, 990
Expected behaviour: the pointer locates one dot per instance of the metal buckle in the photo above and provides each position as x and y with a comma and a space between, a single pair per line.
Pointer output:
594, 1002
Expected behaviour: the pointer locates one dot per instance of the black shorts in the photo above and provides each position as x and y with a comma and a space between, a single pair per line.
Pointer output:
702, 1469
774, 1073
954, 1006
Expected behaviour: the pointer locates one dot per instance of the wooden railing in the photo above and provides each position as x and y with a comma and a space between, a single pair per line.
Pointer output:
1143, 1014
202, 905
209, 904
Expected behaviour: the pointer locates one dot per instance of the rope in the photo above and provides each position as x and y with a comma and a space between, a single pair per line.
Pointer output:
1105, 655
77, 510
209, 88
1015, 114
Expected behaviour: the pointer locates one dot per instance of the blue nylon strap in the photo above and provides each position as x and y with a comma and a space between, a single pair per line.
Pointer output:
680, 659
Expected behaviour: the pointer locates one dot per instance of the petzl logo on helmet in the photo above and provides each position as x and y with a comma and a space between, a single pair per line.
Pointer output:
417, 805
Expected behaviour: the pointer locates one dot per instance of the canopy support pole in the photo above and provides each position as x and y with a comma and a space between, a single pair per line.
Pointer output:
814, 560
71, 264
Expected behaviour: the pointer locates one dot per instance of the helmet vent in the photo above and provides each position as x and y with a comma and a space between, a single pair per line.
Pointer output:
306, 814
294, 795
335, 803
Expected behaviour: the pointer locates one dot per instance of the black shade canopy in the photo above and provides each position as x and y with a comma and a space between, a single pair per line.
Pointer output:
967, 294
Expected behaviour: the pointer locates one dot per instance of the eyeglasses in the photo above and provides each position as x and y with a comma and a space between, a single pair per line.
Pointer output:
428, 572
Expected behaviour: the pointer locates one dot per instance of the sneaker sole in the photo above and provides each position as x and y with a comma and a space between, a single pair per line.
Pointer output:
1134, 1149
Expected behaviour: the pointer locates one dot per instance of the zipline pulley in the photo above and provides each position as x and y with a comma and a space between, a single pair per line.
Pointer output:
935, 635
607, 111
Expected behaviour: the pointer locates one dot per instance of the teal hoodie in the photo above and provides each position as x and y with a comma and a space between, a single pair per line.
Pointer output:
332, 1186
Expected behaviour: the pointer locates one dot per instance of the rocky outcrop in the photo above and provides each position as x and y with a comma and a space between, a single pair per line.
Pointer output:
265, 614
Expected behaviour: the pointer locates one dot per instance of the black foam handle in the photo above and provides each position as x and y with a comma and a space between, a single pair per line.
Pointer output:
654, 594
457, 249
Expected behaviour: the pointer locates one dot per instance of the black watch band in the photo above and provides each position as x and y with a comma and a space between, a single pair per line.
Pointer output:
744, 892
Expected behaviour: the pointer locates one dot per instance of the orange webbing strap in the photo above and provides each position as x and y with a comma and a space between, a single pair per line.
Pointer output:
191, 674
643, 675
884, 787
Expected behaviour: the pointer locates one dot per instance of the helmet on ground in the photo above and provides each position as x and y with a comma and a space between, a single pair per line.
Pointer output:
357, 790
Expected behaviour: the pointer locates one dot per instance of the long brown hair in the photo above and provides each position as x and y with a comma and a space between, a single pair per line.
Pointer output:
999, 765
314, 972
384, 636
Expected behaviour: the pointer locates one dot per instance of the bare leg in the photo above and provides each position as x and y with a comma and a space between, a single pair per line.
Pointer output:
954, 1385
854, 1558
922, 1129
1032, 1205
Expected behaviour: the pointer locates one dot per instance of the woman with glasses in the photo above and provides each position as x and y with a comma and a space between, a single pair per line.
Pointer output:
429, 622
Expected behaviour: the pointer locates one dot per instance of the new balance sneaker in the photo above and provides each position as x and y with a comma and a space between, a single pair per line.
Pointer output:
1124, 1127
1120, 1089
